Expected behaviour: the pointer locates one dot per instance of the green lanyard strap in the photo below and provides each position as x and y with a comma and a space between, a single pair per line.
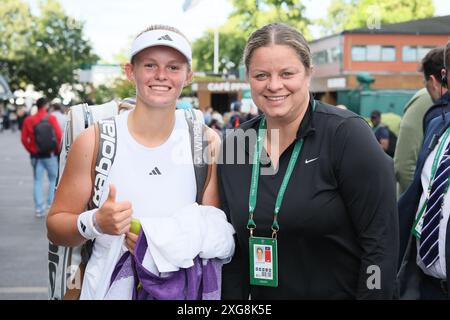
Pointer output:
251, 225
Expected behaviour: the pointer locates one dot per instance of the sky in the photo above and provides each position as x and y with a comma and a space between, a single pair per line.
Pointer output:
111, 25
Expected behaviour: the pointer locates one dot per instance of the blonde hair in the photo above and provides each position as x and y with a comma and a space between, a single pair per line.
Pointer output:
280, 34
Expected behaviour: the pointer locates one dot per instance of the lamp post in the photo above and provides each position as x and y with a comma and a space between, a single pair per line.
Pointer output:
216, 50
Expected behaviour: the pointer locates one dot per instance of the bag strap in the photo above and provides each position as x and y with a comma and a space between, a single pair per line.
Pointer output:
199, 144
210, 157
75, 293
42, 120
94, 162
104, 153
190, 114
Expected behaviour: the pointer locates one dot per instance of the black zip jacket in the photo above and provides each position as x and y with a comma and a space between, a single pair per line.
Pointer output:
338, 235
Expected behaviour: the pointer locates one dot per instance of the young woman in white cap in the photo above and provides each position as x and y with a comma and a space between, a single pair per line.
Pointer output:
152, 175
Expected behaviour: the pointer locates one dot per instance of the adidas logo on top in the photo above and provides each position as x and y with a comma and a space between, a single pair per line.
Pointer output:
155, 172
165, 37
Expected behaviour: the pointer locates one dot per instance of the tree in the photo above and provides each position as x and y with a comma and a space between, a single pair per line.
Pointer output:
231, 46
351, 14
57, 41
254, 14
50, 50
247, 16
15, 28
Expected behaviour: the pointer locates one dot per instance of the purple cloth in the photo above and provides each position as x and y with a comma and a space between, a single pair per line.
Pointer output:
202, 281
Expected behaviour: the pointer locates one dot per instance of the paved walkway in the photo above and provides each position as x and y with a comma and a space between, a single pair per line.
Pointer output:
23, 239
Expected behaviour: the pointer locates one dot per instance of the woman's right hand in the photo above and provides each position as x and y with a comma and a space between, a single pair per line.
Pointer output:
114, 217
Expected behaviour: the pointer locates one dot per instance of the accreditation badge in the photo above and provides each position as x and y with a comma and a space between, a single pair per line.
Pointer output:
418, 223
417, 228
263, 261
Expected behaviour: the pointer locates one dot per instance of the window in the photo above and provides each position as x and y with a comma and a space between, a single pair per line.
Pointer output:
335, 54
415, 53
388, 53
409, 53
373, 53
358, 53
320, 57
422, 52
331, 55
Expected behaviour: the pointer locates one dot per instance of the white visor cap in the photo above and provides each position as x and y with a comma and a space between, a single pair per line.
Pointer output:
166, 38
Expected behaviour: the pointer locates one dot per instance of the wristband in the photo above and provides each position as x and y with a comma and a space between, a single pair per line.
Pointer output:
85, 225
96, 225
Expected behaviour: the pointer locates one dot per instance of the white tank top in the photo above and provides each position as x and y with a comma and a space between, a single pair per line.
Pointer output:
157, 181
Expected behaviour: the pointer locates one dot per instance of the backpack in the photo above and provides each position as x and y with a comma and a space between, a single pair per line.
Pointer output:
392, 143
45, 137
236, 122
66, 264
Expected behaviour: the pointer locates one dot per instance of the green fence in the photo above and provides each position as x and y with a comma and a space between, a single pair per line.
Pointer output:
363, 102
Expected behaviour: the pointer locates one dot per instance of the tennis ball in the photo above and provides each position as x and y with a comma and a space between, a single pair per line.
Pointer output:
135, 226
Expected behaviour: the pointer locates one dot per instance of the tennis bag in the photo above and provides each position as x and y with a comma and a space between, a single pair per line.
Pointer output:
66, 265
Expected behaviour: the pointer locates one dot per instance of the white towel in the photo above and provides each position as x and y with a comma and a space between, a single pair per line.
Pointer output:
174, 241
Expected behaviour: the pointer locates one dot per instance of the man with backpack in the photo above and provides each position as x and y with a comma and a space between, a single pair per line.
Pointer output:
40, 136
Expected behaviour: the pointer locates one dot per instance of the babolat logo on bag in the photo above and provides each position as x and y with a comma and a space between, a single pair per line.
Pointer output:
66, 265
45, 137
107, 151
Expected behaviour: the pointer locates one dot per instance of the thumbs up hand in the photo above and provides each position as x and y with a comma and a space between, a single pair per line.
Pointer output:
114, 217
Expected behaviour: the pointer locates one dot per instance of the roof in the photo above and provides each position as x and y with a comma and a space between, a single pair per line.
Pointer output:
433, 25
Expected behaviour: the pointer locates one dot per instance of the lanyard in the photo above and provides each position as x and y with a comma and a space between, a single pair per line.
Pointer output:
255, 177
432, 177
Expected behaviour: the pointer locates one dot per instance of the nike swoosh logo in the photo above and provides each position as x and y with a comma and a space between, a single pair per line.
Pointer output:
310, 160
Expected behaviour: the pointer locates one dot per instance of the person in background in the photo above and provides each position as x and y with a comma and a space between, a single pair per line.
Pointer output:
207, 115
380, 131
21, 115
424, 211
13, 118
410, 138
309, 182
57, 111
214, 124
431, 66
235, 117
5, 115
42, 160
218, 117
